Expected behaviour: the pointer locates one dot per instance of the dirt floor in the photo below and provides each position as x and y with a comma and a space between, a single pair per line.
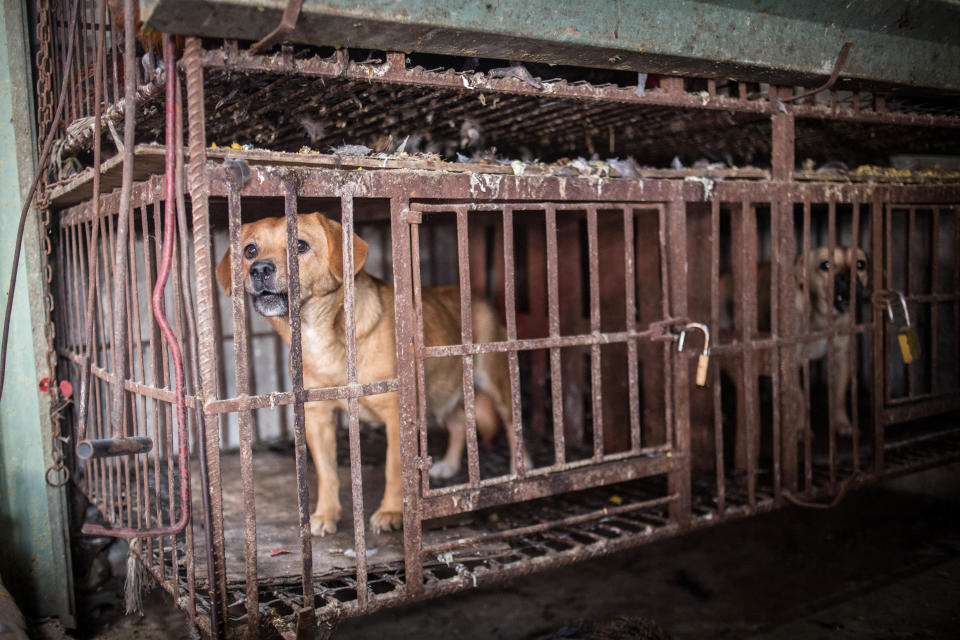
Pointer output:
884, 564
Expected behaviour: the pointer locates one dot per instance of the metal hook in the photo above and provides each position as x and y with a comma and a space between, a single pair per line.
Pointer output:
706, 336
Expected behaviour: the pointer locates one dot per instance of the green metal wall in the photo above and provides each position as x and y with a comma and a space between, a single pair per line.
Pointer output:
35, 557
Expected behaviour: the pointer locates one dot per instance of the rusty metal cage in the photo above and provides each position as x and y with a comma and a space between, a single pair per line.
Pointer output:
595, 274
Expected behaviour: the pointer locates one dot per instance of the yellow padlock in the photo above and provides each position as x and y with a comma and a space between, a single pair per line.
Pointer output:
907, 336
909, 344
703, 360
703, 363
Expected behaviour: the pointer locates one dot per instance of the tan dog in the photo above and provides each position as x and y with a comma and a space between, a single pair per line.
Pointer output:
324, 352
823, 312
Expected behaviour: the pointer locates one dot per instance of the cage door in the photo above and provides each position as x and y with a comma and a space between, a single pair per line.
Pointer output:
920, 306
543, 352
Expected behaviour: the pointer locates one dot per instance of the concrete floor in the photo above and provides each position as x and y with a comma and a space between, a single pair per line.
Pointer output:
884, 564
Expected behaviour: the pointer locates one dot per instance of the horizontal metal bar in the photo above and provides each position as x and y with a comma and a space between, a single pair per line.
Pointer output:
905, 413
785, 41
156, 393
909, 442
606, 512
530, 344
540, 485
278, 399
111, 447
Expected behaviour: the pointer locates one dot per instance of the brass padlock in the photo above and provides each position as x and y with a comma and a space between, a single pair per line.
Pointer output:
907, 336
703, 360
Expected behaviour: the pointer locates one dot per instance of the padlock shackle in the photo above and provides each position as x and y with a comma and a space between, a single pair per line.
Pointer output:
903, 305
695, 325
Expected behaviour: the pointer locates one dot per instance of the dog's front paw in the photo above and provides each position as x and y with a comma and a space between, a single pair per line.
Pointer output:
442, 471
843, 426
322, 524
384, 520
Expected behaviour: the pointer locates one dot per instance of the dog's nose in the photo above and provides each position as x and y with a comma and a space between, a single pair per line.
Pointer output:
841, 290
262, 270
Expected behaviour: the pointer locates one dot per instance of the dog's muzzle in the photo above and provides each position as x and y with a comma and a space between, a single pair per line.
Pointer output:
841, 291
267, 299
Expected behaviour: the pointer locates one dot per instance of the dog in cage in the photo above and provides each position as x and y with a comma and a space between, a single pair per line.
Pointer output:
819, 309
823, 311
264, 269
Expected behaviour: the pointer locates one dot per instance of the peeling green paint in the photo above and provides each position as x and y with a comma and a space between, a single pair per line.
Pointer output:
35, 562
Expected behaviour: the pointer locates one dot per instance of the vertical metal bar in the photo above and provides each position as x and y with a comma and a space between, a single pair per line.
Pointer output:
242, 378
144, 460
956, 298
596, 386
73, 245
792, 423
666, 264
853, 338
747, 300
115, 60
466, 336
909, 268
630, 318
831, 369
167, 408
133, 314
110, 347
776, 264
296, 373
84, 20
889, 267
418, 345
155, 372
678, 480
187, 294
407, 359
934, 289
553, 306
805, 282
76, 73
350, 341
123, 222
209, 448
782, 154
510, 311
880, 265
715, 323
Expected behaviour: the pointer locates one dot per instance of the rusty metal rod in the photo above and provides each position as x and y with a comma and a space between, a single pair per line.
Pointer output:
118, 427
110, 447
171, 339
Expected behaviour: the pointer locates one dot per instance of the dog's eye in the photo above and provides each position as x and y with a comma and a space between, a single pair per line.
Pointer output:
825, 265
250, 251
861, 265
302, 246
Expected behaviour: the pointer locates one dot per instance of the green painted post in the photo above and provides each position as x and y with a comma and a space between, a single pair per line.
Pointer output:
34, 536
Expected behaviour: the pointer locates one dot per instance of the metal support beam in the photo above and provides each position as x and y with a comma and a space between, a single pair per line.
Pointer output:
895, 42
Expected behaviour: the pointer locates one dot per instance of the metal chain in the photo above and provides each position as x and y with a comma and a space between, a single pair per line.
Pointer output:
57, 473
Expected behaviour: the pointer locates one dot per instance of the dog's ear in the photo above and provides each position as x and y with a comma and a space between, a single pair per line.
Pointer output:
334, 234
223, 273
